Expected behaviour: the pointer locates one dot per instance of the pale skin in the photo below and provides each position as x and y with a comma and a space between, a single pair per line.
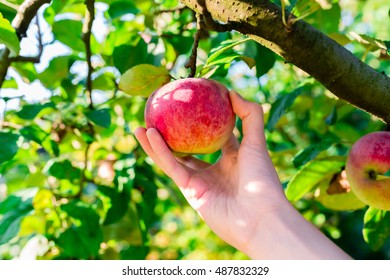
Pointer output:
240, 197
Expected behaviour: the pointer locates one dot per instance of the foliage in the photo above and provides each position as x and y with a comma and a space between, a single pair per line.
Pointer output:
75, 184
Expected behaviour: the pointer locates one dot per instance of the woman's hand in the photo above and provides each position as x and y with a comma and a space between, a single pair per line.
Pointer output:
240, 197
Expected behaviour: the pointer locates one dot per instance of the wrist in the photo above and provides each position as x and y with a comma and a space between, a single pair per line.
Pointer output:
286, 234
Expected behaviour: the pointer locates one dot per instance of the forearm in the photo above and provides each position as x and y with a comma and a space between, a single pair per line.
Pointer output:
286, 234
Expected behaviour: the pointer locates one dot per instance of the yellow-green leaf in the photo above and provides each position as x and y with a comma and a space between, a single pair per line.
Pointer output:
345, 201
143, 79
368, 42
8, 36
311, 174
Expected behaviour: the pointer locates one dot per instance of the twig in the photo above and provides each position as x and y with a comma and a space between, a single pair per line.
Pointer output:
26, 12
191, 62
86, 37
33, 59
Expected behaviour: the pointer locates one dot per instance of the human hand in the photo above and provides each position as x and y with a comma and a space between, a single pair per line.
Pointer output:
235, 194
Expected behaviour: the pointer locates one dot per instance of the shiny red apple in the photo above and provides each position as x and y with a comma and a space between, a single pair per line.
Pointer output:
368, 162
193, 115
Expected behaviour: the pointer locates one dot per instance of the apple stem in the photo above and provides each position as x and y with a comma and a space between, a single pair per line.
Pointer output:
372, 174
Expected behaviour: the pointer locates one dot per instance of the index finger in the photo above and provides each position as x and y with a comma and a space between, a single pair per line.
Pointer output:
163, 156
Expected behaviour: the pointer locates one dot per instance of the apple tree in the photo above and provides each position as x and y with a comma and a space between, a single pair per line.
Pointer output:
74, 79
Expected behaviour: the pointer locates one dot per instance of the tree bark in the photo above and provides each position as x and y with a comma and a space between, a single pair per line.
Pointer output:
331, 64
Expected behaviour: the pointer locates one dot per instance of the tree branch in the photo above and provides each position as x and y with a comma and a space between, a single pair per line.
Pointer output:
332, 65
26, 12
86, 36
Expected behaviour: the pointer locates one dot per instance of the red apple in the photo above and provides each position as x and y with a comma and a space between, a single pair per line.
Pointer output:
193, 115
368, 161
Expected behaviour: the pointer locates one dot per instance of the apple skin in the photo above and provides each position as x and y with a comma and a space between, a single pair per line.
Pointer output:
193, 115
368, 161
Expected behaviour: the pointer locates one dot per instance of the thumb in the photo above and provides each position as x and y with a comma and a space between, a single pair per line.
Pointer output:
251, 115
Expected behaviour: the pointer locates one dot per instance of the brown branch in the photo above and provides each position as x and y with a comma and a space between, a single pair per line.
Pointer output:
4, 64
26, 12
212, 24
334, 66
86, 37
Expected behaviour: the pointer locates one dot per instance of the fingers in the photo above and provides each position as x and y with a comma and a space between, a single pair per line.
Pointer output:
140, 134
231, 145
155, 146
193, 163
251, 115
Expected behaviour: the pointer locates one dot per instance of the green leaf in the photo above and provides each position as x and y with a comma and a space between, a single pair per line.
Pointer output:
134, 253
124, 172
311, 174
100, 117
143, 79
322, 14
120, 8
69, 31
376, 228
12, 212
332, 118
387, 43
33, 133
63, 170
10, 83
26, 71
104, 81
342, 39
126, 56
282, 103
310, 152
8, 146
223, 56
83, 238
217, 54
8, 36
265, 60
30, 111
149, 196
8, 10
118, 203
57, 70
